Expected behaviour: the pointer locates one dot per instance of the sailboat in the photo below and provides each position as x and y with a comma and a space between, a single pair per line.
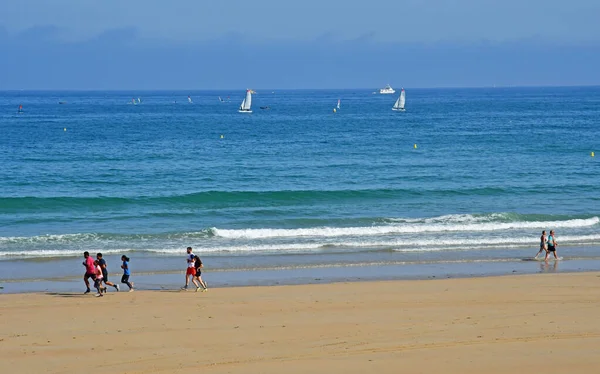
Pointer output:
20, 110
399, 105
189, 100
221, 100
338, 106
247, 103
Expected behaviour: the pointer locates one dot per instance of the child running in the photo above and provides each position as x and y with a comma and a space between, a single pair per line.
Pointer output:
126, 273
198, 276
102, 263
98, 280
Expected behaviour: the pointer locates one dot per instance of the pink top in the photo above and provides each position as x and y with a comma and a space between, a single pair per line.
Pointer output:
89, 265
98, 272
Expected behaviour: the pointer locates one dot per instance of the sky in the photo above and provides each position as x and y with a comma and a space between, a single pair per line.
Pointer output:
199, 44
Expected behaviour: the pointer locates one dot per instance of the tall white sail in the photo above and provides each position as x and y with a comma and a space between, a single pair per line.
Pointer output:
189, 99
338, 105
399, 105
247, 103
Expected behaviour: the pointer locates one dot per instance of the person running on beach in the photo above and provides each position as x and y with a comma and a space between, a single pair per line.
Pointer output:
543, 244
90, 270
98, 280
552, 244
190, 271
102, 264
126, 272
198, 266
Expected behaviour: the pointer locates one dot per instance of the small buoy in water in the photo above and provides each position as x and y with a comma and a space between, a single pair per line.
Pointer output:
592, 154
65, 129
415, 146
222, 136
334, 110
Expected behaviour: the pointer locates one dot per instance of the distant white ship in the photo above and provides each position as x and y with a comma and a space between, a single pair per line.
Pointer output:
387, 90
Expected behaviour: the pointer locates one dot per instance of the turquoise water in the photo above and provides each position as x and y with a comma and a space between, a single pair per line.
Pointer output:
296, 186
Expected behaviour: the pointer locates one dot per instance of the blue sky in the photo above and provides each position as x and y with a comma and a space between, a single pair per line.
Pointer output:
197, 44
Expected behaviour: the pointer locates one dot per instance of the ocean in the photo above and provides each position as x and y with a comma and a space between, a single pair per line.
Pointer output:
460, 184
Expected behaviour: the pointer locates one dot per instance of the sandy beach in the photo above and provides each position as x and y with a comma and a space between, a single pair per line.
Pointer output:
512, 324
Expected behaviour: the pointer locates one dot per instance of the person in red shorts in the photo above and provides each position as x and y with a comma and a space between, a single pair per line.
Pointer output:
190, 270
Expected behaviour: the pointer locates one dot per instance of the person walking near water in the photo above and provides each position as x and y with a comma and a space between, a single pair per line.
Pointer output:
198, 265
543, 244
126, 272
90, 270
190, 271
552, 244
102, 264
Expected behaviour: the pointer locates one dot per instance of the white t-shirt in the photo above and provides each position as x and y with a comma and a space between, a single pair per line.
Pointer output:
190, 263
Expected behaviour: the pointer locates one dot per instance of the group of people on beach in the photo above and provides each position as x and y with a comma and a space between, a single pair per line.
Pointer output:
97, 271
194, 271
549, 244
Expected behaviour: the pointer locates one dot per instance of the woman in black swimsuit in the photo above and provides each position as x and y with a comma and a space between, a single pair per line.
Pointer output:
543, 244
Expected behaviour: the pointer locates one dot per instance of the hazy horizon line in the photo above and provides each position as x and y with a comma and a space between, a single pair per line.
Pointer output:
292, 89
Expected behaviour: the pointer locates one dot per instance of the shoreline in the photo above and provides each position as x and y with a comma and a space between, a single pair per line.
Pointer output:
172, 280
491, 324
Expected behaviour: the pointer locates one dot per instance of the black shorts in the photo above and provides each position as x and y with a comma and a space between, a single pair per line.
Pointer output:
551, 248
105, 277
198, 272
90, 275
125, 278
97, 283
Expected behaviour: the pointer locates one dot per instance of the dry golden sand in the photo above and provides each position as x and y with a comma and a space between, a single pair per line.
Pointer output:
517, 324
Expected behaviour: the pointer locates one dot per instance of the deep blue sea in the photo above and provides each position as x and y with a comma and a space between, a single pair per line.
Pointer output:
294, 193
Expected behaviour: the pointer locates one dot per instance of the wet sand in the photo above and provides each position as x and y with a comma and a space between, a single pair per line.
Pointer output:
512, 324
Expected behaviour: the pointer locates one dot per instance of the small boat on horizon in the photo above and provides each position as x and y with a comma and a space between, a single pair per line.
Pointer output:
246, 106
189, 100
399, 104
338, 104
387, 90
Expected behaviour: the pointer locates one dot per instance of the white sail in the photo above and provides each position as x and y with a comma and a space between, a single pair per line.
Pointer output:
402, 99
247, 103
399, 105
189, 100
338, 106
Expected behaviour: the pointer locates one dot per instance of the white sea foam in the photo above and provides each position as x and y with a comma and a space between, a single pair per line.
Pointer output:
414, 245
453, 218
399, 229
58, 238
